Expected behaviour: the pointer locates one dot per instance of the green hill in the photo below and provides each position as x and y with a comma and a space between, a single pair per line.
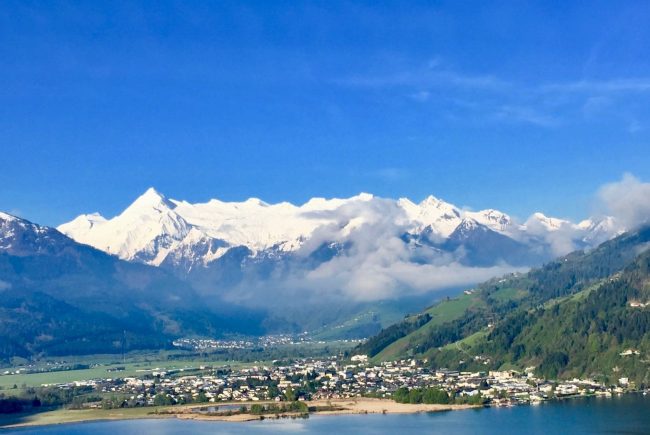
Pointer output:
571, 317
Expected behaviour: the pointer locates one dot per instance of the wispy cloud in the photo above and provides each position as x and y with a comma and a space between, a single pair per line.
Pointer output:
465, 96
593, 106
433, 74
600, 86
526, 114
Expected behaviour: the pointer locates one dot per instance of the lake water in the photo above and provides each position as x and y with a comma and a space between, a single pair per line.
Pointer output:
622, 415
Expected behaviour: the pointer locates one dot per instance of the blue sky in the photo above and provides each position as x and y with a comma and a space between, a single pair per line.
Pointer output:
485, 104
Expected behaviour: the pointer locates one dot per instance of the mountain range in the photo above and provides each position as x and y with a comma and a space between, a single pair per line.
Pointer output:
59, 297
339, 268
182, 236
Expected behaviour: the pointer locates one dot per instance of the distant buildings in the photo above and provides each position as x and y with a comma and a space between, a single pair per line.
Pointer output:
329, 378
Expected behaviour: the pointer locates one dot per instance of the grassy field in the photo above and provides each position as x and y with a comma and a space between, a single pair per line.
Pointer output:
466, 343
139, 363
102, 371
509, 294
453, 308
445, 311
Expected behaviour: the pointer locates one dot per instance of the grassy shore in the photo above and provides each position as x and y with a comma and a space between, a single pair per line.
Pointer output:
329, 407
61, 416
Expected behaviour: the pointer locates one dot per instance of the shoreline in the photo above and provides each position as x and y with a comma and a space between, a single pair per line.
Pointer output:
331, 407
352, 406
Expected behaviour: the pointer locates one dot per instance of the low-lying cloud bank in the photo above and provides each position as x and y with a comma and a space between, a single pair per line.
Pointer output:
377, 263
380, 265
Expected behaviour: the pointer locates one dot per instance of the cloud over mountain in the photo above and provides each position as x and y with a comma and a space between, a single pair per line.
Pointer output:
377, 264
360, 248
627, 200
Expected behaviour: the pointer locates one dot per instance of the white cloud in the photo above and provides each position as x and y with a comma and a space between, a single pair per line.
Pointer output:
561, 240
621, 206
433, 74
628, 200
377, 264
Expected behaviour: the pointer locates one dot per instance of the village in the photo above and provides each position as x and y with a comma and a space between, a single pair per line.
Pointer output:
202, 344
330, 378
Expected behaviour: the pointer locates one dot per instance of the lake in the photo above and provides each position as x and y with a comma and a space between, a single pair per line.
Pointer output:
628, 414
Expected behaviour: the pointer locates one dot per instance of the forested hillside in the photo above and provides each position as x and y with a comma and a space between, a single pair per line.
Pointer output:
574, 316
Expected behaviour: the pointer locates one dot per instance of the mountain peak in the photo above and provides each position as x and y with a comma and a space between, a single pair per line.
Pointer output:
151, 198
21, 237
431, 200
152, 193
364, 196
494, 219
433, 203
8, 217
83, 221
468, 224
256, 201
549, 223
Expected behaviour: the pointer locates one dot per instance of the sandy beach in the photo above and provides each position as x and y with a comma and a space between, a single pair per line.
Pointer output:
380, 406
330, 407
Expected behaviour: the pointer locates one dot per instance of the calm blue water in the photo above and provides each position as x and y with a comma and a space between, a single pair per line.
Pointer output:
623, 415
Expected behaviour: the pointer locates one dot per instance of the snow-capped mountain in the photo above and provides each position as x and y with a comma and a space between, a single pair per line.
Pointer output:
153, 228
273, 261
600, 230
85, 300
160, 231
20, 237
548, 223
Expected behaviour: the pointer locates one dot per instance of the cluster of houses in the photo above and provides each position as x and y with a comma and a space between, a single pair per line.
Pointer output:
331, 378
202, 344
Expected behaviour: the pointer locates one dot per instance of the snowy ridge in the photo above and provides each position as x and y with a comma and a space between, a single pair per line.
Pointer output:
21, 237
156, 230
549, 223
